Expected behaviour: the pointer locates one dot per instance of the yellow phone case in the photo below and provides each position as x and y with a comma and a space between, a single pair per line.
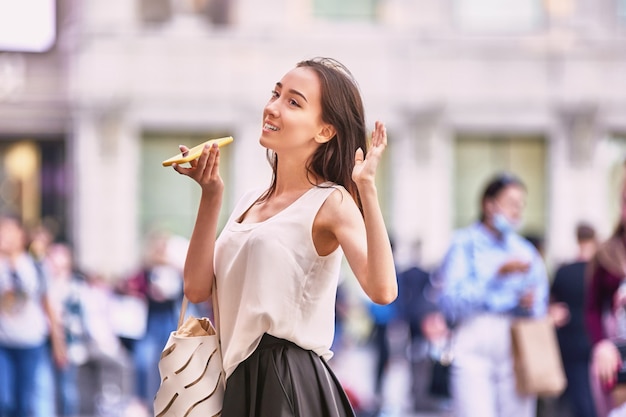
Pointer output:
196, 151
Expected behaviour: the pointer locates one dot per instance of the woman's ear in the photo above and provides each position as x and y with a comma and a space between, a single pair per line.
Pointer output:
325, 134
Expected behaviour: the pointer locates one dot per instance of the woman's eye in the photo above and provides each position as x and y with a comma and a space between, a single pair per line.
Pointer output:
275, 94
293, 102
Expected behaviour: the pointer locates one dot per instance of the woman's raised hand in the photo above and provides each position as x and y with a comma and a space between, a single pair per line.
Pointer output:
205, 169
365, 167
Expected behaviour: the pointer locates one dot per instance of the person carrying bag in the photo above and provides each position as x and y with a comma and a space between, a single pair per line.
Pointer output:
605, 315
490, 277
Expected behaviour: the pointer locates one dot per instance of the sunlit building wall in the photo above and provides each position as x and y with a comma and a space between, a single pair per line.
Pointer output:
466, 87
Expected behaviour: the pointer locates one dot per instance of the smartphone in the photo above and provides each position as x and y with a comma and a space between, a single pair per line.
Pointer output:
196, 151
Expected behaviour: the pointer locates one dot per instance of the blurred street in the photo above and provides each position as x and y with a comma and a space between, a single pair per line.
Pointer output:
95, 95
106, 385
354, 367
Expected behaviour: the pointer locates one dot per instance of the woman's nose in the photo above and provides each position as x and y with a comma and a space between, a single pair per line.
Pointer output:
271, 108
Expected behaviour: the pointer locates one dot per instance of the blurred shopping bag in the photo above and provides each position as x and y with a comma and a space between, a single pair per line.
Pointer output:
537, 358
129, 316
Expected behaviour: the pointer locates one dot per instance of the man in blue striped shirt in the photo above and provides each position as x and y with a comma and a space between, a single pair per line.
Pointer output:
490, 275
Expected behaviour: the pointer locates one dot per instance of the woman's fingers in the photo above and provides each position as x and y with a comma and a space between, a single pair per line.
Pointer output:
202, 168
184, 150
379, 135
381, 131
202, 162
211, 164
379, 142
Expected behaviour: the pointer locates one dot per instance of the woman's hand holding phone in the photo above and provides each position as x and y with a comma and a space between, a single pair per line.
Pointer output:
189, 155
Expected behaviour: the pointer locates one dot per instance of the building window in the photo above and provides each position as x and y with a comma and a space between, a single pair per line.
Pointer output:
479, 157
501, 16
155, 11
621, 10
168, 200
215, 12
345, 9
34, 183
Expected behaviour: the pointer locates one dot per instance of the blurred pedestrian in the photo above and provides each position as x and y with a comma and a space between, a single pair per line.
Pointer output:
68, 294
605, 312
39, 239
276, 263
342, 310
382, 317
160, 283
27, 322
107, 379
428, 330
567, 310
490, 276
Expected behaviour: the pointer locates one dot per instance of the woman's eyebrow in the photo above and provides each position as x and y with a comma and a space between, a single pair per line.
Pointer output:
292, 91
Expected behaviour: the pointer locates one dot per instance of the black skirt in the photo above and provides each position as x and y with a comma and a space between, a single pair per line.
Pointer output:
280, 379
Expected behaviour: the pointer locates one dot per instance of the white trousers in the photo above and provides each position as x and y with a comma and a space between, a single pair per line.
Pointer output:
482, 378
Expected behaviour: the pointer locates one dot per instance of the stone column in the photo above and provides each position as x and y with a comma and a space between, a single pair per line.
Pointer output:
105, 153
421, 186
578, 189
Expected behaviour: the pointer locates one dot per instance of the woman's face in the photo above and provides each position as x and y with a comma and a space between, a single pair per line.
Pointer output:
292, 118
12, 237
60, 259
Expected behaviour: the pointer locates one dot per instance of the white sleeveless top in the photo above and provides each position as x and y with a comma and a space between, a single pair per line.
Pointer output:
270, 279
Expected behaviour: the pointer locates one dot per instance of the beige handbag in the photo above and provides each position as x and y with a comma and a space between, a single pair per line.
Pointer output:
537, 358
192, 374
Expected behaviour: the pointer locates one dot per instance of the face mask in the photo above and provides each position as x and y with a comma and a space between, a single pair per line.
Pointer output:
504, 225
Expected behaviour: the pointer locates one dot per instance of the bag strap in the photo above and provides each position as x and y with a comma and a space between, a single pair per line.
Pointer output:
215, 308
183, 310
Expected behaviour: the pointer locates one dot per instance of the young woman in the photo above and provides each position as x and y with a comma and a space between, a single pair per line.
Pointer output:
604, 313
276, 262
489, 276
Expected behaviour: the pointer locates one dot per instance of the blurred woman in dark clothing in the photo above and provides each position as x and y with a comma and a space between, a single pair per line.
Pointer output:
567, 305
605, 309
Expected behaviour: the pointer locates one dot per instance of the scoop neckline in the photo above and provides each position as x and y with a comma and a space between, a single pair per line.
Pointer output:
244, 224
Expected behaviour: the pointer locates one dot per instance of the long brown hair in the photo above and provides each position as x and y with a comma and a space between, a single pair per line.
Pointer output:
342, 107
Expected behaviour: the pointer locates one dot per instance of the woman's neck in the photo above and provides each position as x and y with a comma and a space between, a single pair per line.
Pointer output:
495, 232
294, 179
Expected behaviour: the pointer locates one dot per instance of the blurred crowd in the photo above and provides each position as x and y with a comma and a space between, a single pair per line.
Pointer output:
74, 344
460, 314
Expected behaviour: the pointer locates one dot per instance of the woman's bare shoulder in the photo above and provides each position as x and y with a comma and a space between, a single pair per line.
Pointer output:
338, 207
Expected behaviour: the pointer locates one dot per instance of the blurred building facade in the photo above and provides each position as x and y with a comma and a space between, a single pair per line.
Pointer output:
466, 88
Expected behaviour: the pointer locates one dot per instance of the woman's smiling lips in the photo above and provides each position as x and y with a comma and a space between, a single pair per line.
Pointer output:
270, 127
